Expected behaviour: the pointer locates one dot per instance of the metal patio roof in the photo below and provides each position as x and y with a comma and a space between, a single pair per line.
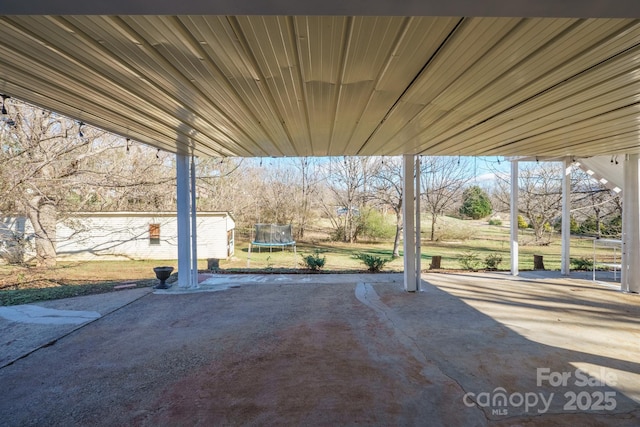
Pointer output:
265, 85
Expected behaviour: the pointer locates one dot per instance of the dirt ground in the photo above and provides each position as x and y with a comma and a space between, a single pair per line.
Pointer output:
343, 350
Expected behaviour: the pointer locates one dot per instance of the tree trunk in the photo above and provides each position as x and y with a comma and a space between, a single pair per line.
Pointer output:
43, 216
537, 230
436, 261
433, 227
349, 236
538, 263
396, 241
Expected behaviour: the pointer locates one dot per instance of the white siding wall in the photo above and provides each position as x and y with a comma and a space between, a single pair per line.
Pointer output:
126, 235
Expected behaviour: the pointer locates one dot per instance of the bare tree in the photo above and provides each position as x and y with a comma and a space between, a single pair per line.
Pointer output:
443, 180
349, 181
260, 190
306, 193
40, 154
126, 176
388, 186
51, 165
220, 184
540, 195
276, 195
593, 201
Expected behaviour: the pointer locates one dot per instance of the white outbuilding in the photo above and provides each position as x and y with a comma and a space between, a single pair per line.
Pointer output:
137, 235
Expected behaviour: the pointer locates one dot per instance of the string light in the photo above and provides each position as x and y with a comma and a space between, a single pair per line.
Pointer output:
5, 114
4, 108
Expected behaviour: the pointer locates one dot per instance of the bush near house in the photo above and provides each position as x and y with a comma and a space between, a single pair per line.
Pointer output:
314, 262
581, 263
492, 261
373, 263
470, 260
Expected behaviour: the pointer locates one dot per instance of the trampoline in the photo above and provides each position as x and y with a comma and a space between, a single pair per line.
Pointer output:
272, 236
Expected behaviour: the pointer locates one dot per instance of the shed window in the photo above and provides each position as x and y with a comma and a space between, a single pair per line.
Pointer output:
154, 234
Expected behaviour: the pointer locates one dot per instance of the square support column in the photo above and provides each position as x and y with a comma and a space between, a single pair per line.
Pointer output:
187, 278
565, 261
408, 228
514, 218
630, 275
194, 226
417, 224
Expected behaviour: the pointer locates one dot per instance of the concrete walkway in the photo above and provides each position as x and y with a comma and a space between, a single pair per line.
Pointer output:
470, 349
27, 328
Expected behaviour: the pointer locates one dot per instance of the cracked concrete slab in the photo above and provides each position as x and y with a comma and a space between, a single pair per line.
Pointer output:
470, 350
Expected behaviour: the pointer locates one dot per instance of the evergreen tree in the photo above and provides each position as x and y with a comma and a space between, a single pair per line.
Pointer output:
475, 203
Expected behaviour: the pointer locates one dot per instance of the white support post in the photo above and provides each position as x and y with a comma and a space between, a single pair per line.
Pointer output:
417, 224
408, 229
185, 237
514, 218
630, 277
565, 262
194, 227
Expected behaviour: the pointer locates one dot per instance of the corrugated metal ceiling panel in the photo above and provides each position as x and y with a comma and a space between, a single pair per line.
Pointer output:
335, 85
544, 69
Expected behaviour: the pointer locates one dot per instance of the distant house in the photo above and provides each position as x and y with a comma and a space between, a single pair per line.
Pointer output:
138, 235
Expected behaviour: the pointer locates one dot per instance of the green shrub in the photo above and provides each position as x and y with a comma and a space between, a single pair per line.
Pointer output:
475, 203
374, 225
495, 221
613, 227
522, 223
314, 261
470, 261
582, 263
373, 263
574, 227
366, 223
588, 226
492, 261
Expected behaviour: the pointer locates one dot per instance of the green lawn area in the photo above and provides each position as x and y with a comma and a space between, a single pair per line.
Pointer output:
485, 240
20, 284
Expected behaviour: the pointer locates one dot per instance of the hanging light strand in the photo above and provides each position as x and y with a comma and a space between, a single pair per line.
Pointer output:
4, 108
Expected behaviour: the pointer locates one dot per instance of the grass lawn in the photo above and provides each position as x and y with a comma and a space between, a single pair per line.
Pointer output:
20, 285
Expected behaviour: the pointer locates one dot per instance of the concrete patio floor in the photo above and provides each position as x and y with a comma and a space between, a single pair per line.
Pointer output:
469, 350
